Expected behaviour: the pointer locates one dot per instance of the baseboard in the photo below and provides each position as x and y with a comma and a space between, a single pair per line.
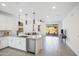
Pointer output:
12, 48
4, 48
16, 49
72, 49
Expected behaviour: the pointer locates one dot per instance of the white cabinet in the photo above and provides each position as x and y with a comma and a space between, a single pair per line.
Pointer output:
3, 42
14, 42
18, 43
21, 43
11, 42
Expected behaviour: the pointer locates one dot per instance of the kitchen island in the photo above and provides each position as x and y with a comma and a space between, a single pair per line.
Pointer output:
34, 43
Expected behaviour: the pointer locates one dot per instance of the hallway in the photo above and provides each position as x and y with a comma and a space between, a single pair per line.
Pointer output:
54, 47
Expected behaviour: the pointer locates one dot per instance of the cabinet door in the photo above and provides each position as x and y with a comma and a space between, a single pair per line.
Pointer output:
17, 43
11, 41
22, 44
3, 42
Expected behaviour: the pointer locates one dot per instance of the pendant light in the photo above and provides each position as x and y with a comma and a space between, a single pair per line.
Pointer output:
26, 18
33, 21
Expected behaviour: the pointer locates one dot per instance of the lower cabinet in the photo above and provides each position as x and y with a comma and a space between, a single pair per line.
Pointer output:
11, 42
18, 43
14, 42
3, 42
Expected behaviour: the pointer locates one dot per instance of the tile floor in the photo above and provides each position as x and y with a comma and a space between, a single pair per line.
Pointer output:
52, 47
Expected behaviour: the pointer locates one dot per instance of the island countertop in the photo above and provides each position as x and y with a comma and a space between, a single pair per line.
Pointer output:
34, 36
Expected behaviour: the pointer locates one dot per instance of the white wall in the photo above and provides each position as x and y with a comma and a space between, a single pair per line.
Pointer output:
8, 23
71, 25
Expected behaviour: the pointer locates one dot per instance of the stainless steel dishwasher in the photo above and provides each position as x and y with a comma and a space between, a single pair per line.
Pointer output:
30, 45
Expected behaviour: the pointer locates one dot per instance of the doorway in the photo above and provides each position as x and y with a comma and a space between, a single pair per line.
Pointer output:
52, 29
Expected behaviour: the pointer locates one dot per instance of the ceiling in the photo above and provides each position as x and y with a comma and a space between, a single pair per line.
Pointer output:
43, 10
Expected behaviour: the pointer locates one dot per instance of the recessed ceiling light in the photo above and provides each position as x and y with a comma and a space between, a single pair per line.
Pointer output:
3, 4
20, 10
53, 7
